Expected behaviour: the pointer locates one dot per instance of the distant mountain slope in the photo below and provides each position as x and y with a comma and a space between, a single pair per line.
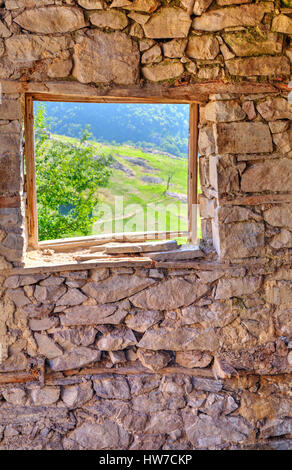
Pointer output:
163, 127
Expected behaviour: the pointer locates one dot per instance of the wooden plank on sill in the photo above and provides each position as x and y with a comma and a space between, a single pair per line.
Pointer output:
111, 238
184, 253
18, 377
144, 247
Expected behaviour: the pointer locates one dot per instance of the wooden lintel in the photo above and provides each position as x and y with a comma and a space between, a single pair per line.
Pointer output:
197, 92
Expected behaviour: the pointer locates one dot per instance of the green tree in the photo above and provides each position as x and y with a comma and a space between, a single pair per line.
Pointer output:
68, 177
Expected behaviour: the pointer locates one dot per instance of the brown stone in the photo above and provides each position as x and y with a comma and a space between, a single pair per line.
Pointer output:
106, 57
79, 357
116, 288
175, 48
152, 55
279, 215
250, 43
72, 297
43, 324
168, 295
113, 19
15, 396
165, 70
274, 175
208, 433
266, 66
200, 6
282, 24
282, 240
203, 47
239, 240
243, 137
164, 422
77, 395
182, 339
191, 359
51, 19
228, 288
141, 320
275, 108
91, 4
169, 22
107, 435
245, 15
112, 387
224, 111
47, 347
93, 315
116, 340
154, 360
45, 396
30, 47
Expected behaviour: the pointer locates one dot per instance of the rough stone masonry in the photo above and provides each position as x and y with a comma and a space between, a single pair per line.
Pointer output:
182, 355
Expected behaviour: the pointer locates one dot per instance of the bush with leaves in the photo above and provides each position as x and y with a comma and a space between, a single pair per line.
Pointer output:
68, 177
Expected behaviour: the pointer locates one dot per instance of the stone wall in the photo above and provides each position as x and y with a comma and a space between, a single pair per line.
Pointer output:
185, 355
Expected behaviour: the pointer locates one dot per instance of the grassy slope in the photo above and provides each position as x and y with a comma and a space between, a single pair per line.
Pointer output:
139, 195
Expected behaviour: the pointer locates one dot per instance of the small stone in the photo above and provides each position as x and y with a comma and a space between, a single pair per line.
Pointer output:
112, 387
113, 19
45, 396
180, 339
99, 274
274, 175
202, 47
243, 137
282, 24
174, 49
141, 320
191, 359
44, 324
72, 297
18, 297
77, 395
15, 396
228, 288
249, 108
166, 70
106, 435
275, 108
79, 357
154, 360
117, 357
152, 55
116, 340
169, 22
91, 4
47, 347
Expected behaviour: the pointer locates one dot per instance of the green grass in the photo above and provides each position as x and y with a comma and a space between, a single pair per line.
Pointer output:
138, 212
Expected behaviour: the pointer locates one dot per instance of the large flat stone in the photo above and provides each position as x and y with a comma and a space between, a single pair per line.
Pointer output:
275, 108
107, 435
105, 58
274, 175
180, 339
30, 47
251, 43
256, 66
224, 111
239, 240
51, 19
236, 287
168, 295
279, 215
116, 288
243, 137
168, 23
93, 315
113, 19
245, 15
282, 24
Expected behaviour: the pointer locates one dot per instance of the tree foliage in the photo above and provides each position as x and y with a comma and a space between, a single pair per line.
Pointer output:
67, 177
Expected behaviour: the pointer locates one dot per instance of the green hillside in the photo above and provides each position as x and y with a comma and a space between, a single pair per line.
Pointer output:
151, 190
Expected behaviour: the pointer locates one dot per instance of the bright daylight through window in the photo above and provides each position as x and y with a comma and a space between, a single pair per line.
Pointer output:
111, 168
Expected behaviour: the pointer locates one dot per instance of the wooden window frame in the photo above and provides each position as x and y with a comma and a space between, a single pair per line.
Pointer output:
30, 177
